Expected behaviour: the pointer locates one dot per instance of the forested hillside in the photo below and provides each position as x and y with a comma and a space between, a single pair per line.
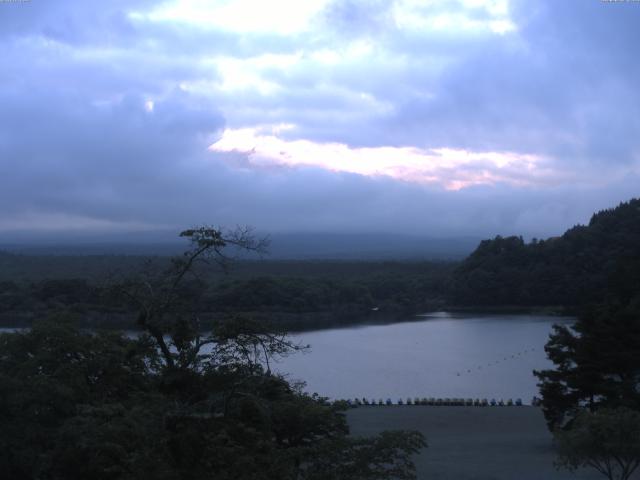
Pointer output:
585, 265
295, 295
173, 403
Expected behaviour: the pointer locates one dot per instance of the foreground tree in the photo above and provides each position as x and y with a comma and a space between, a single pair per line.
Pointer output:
165, 297
597, 363
591, 400
607, 440
174, 403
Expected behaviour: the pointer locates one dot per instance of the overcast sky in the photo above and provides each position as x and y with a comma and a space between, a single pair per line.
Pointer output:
440, 118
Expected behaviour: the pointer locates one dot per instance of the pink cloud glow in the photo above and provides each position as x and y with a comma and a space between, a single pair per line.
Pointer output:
453, 169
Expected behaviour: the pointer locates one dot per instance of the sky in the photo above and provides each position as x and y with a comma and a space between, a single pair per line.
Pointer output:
421, 117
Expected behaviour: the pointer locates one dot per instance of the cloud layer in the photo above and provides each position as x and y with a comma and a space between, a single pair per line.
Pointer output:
461, 117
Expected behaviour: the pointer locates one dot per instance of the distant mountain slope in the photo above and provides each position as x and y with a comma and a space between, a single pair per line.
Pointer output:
585, 265
290, 246
372, 246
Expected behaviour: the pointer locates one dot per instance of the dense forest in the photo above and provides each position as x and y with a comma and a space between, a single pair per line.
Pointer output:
591, 397
295, 295
174, 403
193, 395
585, 265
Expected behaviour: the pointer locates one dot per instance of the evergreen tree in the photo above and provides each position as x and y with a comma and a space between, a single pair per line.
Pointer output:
597, 363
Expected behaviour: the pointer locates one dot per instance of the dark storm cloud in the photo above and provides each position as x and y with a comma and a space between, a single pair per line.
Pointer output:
80, 143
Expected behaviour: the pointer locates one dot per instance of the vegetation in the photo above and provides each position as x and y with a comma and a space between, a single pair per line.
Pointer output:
591, 399
607, 440
587, 264
597, 363
172, 403
176, 403
77, 405
293, 295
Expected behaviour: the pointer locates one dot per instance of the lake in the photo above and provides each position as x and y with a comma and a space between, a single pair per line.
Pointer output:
439, 355
434, 355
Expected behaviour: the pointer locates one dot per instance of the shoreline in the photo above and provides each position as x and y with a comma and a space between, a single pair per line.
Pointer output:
286, 321
545, 310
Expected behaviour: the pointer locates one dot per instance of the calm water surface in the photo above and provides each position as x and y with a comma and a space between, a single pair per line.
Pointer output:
442, 355
439, 355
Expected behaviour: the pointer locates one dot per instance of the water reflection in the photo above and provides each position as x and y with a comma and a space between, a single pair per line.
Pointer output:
442, 355
438, 354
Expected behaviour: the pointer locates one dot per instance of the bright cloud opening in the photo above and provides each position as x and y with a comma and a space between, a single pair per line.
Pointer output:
421, 15
276, 16
291, 17
453, 169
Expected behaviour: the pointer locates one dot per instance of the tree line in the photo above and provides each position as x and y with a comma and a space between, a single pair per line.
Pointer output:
175, 403
294, 302
78, 404
591, 396
587, 264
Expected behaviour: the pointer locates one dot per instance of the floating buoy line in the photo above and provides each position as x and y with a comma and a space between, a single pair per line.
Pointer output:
493, 363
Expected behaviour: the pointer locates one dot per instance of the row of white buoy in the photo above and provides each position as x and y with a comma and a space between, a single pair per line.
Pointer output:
496, 362
453, 402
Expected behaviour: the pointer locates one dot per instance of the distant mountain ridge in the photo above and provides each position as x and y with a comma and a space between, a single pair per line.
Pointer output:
296, 246
369, 246
586, 264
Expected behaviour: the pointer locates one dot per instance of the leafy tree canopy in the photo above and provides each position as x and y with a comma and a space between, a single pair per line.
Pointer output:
607, 440
597, 363
174, 403
584, 265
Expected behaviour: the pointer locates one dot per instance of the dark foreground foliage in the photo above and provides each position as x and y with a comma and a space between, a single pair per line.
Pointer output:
607, 440
175, 402
591, 399
597, 363
76, 405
